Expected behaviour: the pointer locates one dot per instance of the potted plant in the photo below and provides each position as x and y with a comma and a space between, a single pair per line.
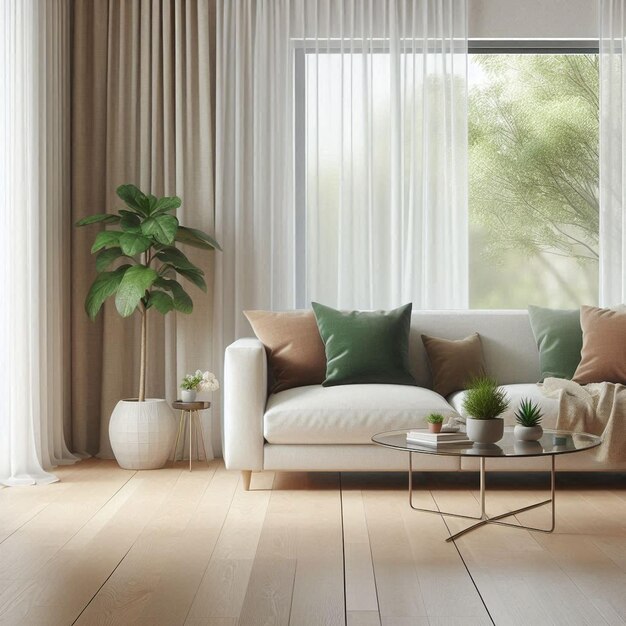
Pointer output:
138, 262
435, 422
528, 417
200, 381
484, 402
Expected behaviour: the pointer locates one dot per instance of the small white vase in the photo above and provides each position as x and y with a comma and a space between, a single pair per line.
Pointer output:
484, 432
528, 433
188, 395
142, 433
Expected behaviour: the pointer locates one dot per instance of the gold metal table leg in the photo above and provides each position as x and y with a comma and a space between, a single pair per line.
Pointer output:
484, 518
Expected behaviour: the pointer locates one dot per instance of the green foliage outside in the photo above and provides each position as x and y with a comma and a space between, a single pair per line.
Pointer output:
533, 161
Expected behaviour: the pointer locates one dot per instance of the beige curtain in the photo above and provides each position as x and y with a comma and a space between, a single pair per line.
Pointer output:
142, 114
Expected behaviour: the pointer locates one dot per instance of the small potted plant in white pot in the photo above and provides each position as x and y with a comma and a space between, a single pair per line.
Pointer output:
435, 422
528, 417
200, 381
484, 403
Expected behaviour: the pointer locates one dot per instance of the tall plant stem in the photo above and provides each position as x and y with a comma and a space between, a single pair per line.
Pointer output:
143, 355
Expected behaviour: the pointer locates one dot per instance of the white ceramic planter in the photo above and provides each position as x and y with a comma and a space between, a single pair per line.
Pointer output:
527, 433
484, 432
142, 433
188, 395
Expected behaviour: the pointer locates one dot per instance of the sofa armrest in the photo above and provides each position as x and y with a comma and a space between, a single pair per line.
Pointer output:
245, 395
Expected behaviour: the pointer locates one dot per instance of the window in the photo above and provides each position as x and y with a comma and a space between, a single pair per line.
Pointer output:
533, 179
532, 162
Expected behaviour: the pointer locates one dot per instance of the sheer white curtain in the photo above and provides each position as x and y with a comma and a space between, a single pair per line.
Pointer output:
341, 170
612, 152
34, 174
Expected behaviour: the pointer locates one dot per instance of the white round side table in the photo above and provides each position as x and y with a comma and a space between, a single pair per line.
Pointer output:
189, 411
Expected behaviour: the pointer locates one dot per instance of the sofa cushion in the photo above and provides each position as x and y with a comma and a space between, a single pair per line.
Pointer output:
454, 363
365, 346
347, 414
603, 356
295, 350
559, 339
549, 406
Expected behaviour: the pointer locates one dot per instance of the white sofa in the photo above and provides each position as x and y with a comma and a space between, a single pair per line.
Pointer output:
317, 428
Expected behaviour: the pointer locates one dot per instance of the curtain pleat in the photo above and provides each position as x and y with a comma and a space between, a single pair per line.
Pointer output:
612, 287
34, 175
142, 114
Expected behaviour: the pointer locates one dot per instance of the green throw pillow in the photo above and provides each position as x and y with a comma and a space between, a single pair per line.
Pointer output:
559, 337
365, 346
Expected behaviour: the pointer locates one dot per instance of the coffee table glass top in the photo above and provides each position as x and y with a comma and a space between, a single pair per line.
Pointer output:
552, 442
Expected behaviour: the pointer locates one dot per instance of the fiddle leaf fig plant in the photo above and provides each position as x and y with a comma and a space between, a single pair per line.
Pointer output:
138, 261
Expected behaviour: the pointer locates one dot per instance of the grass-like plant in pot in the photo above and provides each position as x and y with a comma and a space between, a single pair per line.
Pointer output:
528, 417
435, 422
483, 404
138, 263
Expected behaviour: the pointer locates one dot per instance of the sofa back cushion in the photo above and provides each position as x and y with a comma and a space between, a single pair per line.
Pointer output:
294, 347
509, 347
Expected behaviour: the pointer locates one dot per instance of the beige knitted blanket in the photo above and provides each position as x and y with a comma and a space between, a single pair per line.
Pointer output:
597, 408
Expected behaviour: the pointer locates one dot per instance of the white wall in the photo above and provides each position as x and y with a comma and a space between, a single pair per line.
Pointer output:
535, 19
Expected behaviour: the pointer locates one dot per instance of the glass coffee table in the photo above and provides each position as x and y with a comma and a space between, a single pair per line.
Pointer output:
551, 444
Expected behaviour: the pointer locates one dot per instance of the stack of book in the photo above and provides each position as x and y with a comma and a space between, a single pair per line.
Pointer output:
437, 440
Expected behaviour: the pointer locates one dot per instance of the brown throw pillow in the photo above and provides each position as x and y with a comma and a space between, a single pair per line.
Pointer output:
453, 363
294, 347
603, 355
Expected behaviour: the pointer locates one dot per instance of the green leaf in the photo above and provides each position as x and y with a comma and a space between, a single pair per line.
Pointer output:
196, 238
107, 218
161, 302
133, 244
134, 198
162, 227
182, 300
194, 276
105, 285
174, 257
136, 281
130, 222
166, 204
106, 257
106, 239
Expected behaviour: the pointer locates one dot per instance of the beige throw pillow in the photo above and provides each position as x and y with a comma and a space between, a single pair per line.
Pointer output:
294, 347
603, 355
453, 363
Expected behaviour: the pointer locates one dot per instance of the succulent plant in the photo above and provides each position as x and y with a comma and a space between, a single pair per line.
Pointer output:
484, 400
528, 414
435, 418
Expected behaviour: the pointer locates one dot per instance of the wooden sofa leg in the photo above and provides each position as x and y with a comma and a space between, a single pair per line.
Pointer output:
246, 475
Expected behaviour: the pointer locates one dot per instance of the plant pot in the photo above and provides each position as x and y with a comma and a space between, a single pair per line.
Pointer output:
527, 433
188, 395
484, 432
142, 433
435, 428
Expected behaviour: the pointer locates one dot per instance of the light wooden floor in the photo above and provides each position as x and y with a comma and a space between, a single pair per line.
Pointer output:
109, 546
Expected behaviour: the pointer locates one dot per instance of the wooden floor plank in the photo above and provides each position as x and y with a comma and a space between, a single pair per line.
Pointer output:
225, 581
360, 583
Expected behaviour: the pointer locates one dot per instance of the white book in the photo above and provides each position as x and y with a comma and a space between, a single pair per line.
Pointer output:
428, 436
463, 443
